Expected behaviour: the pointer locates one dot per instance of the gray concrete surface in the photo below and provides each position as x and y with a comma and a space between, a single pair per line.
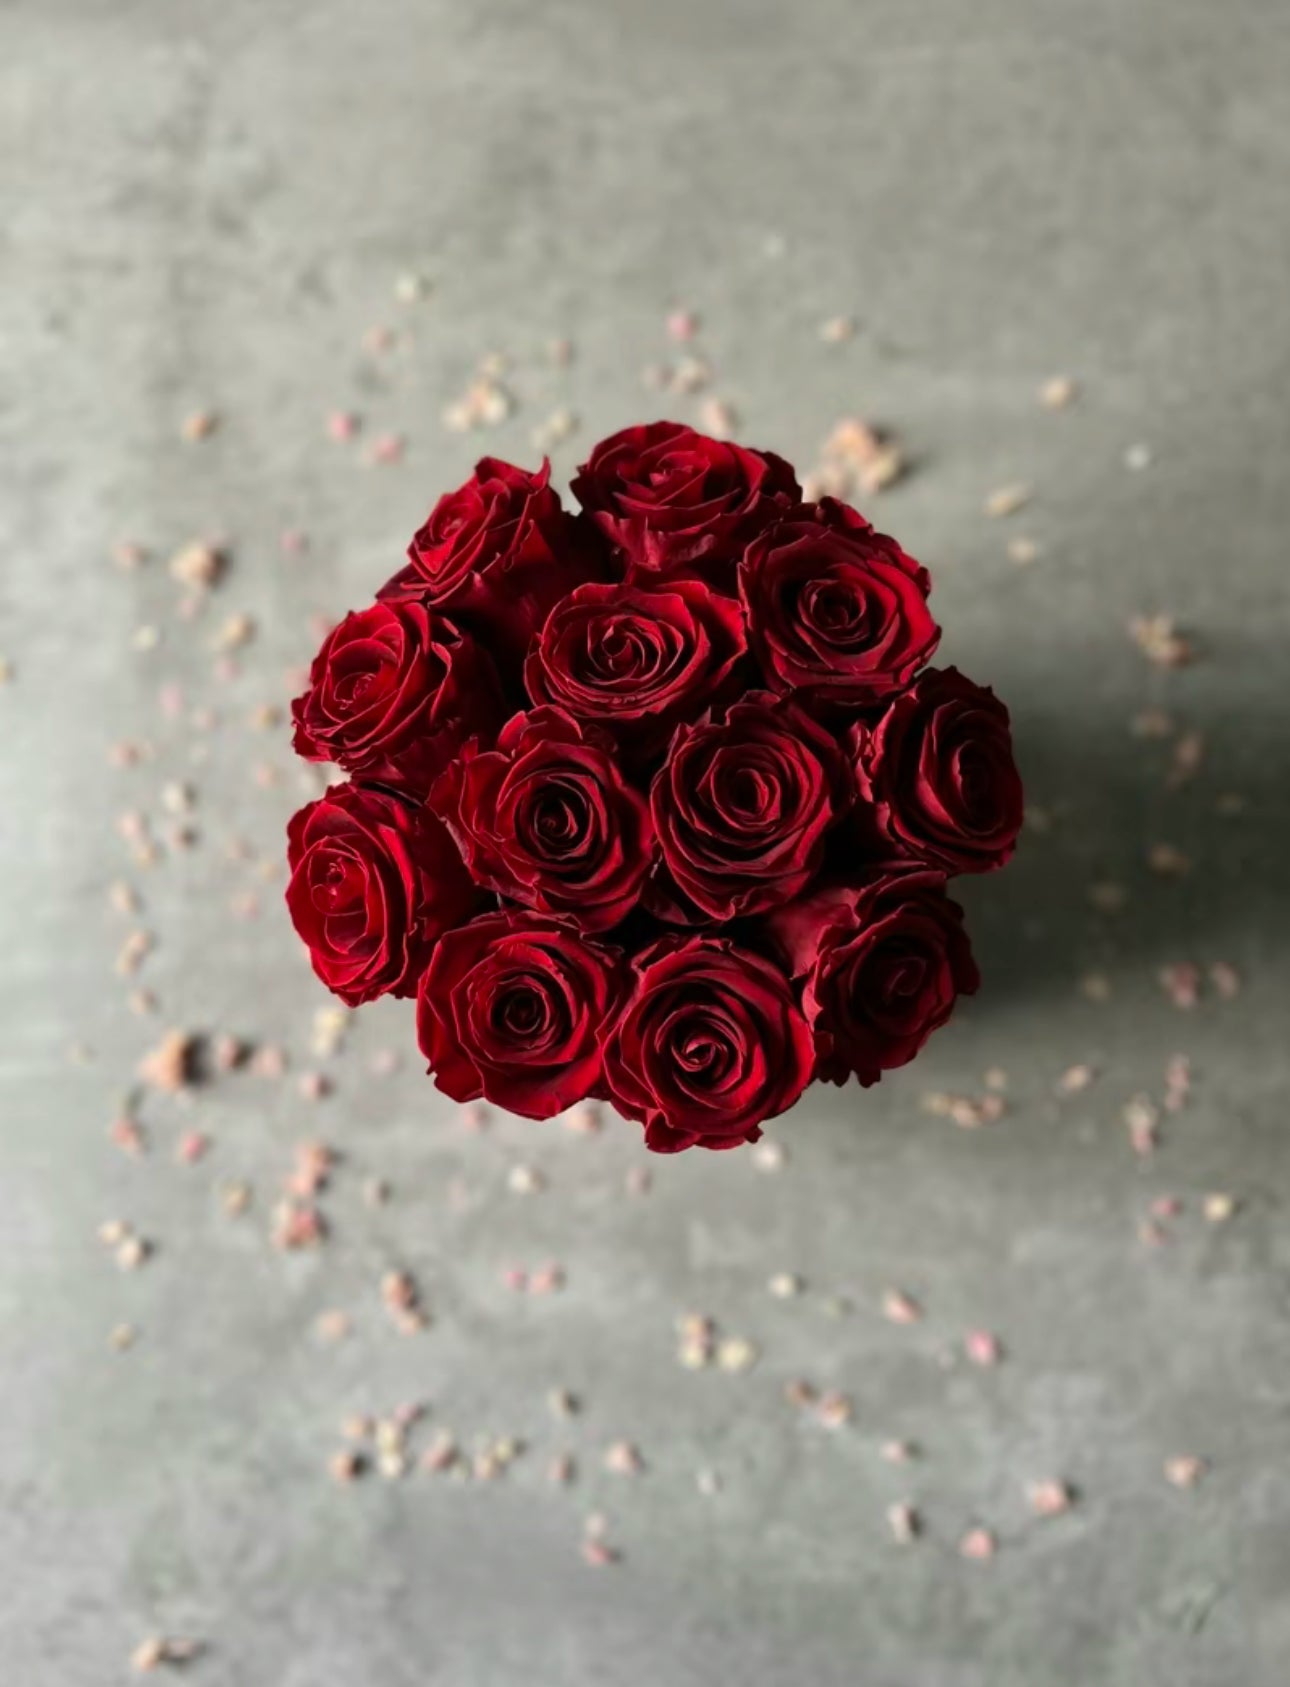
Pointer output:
209, 207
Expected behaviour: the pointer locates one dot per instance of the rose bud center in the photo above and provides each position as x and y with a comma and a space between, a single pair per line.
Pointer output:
835, 609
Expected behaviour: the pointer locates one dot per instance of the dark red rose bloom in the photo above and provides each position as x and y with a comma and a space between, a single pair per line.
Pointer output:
374, 880
937, 769
834, 609
393, 694
709, 1043
635, 660
676, 501
695, 715
513, 1008
883, 963
495, 555
548, 819
743, 804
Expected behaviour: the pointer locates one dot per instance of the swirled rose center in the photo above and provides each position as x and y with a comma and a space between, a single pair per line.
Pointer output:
338, 884
669, 474
748, 793
835, 610
623, 650
352, 689
903, 975
745, 789
974, 783
888, 984
702, 1049
558, 820
521, 1012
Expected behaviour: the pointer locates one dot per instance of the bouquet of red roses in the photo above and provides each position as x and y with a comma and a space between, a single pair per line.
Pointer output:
654, 803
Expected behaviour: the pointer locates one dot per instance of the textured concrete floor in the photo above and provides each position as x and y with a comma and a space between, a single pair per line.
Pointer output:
209, 207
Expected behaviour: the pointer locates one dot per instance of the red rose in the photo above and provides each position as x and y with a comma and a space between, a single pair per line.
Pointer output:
512, 1008
834, 609
637, 661
938, 769
495, 554
883, 963
709, 1043
373, 883
695, 714
743, 804
676, 501
548, 819
393, 694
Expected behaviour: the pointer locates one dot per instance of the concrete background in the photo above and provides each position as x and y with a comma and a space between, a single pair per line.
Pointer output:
209, 208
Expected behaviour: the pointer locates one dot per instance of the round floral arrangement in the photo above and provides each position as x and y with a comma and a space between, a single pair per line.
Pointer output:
654, 803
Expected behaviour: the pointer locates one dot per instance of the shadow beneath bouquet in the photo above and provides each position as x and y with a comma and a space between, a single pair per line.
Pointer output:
1148, 842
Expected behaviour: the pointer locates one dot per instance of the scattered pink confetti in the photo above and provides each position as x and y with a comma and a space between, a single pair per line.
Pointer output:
386, 448
584, 1120
834, 1409
269, 1061
718, 418
169, 1066
1142, 1119
903, 1521
297, 1225
622, 1459
768, 1156
1159, 640
1075, 1079
158, 1650
978, 1544
1167, 861
441, 1454
1185, 1470
200, 424
1050, 1498
1225, 979
546, 1279
333, 1326
128, 1137
1180, 981
346, 1465
900, 1308
982, 1348
403, 1302
1177, 1083
228, 1052
314, 1163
